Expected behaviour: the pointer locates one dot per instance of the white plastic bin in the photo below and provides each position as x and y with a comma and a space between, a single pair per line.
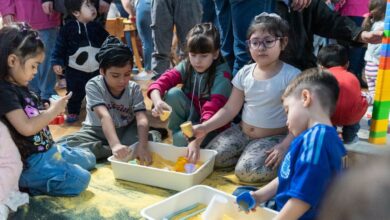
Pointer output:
164, 178
202, 194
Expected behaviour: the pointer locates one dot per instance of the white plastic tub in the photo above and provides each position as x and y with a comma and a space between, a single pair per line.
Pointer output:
164, 178
202, 194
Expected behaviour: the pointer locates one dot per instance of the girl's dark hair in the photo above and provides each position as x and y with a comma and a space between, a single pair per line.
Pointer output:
269, 22
380, 6
18, 39
203, 38
332, 55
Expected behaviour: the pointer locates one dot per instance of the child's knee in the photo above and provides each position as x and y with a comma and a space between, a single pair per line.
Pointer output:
254, 174
173, 95
71, 183
178, 139
88, 162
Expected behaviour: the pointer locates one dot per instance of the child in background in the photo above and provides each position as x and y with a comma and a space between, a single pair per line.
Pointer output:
374, 22
315, 155
77, 44
115, 109
351, 105
206, 86
10, 169
48, 169
258, 144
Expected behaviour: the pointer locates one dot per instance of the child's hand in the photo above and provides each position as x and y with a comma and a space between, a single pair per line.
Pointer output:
120, 151
199, 130
143, 155
58, 69
299, 5
275, 156
59, 105
48, 7
159, 107
193, 152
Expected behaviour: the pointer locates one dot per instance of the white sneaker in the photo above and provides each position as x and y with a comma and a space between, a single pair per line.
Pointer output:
4, 211
143, 76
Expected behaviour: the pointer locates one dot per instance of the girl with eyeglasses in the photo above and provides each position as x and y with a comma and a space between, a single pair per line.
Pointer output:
256, 146
48, 168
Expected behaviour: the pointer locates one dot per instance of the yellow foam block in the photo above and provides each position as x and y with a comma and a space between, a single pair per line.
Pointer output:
383, 85
380, 125
377, 140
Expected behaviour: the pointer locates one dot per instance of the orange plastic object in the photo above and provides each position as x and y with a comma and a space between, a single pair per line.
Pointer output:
179, 165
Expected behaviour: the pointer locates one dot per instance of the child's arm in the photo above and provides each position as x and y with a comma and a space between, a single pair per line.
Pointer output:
58, 55
8, 11
165, 82
159, 104
266, 192
29, 126
223, 116
293, 209
141, 152
118, 150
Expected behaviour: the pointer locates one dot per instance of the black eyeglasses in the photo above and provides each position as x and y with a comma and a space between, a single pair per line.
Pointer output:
266, 43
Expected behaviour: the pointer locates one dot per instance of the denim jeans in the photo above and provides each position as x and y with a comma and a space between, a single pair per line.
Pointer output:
209, 14
184, 14
44, 81
234, 17
350, 132
144, 21
356, 54
58, 172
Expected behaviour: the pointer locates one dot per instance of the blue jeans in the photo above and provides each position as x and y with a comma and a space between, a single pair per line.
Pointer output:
65, 175
144, 21
44, 81
356, 54
234, 17
209, 14
350, 132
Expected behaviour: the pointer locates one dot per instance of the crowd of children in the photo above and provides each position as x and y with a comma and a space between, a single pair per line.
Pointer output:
287, 111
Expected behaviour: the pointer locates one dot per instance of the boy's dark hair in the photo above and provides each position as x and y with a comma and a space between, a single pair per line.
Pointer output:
203, 38
74, 5
332, 55
318, 81
114, 53
18, 39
